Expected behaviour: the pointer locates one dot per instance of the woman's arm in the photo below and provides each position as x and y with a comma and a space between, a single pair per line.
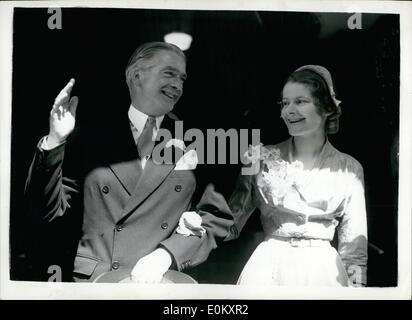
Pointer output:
241, 204
352, 232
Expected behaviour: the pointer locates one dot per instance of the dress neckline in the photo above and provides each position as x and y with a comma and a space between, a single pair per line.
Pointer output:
306, 176
319, 157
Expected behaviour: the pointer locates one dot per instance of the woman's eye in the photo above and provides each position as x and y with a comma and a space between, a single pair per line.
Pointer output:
301, 101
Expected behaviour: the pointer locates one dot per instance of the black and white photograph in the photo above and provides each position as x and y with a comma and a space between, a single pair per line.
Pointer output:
218, 150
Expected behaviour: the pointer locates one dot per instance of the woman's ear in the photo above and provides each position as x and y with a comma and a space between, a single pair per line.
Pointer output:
327, 113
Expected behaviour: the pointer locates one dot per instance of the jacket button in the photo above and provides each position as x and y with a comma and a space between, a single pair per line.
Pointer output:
300, 219
105, 189
178, 188
115, 265
119, 228
164, 225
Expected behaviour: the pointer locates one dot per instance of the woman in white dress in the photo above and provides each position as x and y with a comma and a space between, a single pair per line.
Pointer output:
305, 190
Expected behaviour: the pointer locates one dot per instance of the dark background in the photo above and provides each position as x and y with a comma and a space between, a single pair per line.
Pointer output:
236, 66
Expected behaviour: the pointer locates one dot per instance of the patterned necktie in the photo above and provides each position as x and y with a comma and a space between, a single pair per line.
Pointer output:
145, 143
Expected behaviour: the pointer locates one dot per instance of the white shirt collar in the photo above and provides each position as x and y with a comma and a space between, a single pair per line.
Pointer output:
138, 119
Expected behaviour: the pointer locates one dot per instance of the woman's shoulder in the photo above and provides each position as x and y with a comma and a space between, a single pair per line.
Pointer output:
346, 161
279, 145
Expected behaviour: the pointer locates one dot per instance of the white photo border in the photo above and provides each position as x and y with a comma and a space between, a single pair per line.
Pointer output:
36, 290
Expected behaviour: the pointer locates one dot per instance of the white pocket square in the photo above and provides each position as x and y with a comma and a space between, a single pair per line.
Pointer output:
188, 161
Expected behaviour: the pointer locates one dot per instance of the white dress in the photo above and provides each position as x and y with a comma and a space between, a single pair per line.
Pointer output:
296, 250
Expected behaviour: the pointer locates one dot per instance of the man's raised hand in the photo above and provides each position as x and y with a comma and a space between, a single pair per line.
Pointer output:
62, 116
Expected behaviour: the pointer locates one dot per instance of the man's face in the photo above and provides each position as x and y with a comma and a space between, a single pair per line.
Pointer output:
160, 83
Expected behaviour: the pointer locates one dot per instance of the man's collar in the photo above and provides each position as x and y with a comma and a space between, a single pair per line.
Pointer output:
138, 118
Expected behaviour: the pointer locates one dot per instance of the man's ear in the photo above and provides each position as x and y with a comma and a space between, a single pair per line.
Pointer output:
136, 76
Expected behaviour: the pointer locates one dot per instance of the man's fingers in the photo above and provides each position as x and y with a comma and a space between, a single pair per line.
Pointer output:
142, 275
61, 99
147, 279
69, 86
74, 101
64, 94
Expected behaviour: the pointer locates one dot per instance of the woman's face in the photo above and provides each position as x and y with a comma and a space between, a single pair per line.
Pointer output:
299, 111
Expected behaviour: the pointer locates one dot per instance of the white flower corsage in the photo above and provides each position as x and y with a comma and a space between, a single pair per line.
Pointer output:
278, 178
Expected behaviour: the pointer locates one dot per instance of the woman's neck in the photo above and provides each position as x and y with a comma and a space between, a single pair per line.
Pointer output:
307, 148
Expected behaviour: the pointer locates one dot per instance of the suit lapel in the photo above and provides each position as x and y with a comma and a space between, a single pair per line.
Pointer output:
124, 161
151, 177
127, 173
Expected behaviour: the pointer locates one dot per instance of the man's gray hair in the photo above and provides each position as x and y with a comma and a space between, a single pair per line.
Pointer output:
145, 52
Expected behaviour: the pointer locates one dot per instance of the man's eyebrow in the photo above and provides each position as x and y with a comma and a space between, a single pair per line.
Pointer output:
184, 75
